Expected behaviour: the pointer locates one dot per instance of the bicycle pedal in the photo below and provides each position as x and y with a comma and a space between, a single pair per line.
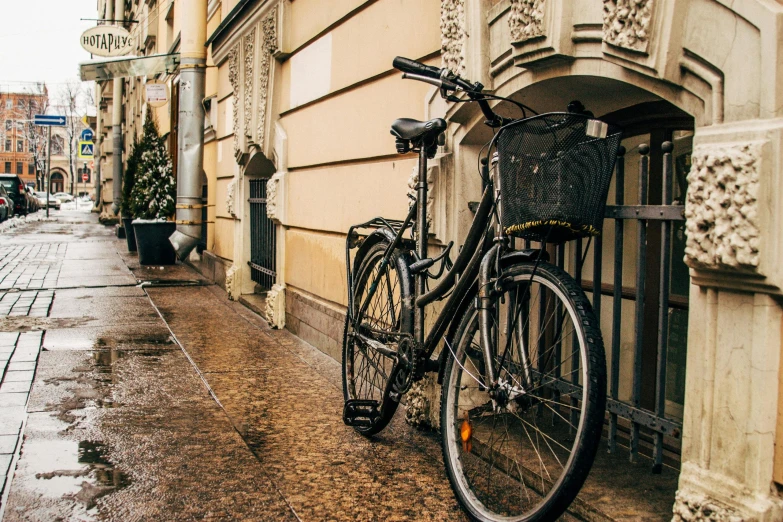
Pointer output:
361, 413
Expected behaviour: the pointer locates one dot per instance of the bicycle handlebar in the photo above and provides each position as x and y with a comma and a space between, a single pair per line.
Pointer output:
448, 81
407, 65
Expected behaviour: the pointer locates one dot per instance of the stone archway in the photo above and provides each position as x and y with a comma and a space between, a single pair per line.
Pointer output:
718, 61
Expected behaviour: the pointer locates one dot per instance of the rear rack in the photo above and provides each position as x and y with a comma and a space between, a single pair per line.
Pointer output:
356, 236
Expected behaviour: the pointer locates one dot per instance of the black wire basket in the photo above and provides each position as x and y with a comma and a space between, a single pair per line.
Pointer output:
555, 171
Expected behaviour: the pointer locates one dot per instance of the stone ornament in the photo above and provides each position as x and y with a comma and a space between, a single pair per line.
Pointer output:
230, 197
232, 283
452, 35
268, 47
526, 20
627, 23
271, 198
250, 39
721, 209
689, 507
233, 78
275, 306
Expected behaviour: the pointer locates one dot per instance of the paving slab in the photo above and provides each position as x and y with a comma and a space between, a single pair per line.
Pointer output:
157, 460
126, 336
289, 410
101, 311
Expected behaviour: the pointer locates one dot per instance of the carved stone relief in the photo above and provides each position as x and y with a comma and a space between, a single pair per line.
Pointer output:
697, 508
721, 210
233, 78
231, 197
268, 47
452, 34
526, 19
627, 23
275, 306
271, 198
232, 283
250, 40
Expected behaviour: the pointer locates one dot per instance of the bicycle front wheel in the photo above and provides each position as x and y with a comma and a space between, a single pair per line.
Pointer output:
524, 455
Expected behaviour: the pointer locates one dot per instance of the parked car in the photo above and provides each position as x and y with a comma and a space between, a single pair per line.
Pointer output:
33, 201
6, 204
15, 188
53, 201
64, 197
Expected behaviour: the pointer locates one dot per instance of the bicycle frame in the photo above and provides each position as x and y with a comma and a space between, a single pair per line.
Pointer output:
477, 253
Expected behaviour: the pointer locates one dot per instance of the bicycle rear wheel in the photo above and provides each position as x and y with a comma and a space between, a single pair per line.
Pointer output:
524, 456
367, 371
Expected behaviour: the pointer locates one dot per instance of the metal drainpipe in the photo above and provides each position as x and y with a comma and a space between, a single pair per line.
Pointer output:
190, 141
116, 121
98, 141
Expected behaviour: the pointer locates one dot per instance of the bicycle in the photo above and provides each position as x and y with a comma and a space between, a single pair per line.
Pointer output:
522, 363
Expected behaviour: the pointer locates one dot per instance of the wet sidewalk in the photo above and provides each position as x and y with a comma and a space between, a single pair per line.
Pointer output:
154, 402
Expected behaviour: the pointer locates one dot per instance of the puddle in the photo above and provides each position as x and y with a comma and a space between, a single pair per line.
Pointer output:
156, 283
79, 471
23, 323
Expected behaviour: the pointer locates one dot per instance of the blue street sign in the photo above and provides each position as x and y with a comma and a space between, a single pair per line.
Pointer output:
49, 119
86, 149
87, 135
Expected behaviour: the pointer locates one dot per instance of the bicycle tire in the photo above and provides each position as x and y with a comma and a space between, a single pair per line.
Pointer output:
518, 469
360, 381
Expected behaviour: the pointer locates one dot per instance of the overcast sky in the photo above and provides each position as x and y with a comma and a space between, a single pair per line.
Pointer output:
40, 40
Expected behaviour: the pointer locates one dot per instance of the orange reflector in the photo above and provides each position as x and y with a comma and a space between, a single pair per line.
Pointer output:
466, 433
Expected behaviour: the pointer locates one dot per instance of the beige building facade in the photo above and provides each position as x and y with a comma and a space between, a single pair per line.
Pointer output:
299, 99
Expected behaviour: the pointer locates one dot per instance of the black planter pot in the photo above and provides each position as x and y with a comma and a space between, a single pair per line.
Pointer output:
130, 236
152, 240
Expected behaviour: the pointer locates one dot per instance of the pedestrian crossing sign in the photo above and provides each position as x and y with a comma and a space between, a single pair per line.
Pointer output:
86, 149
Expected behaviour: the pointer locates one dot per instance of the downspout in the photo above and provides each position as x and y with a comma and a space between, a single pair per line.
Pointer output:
190, 159
116, 121
98, 141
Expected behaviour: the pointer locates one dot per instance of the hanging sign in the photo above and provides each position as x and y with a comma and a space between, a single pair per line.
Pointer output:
107, 40
157, 93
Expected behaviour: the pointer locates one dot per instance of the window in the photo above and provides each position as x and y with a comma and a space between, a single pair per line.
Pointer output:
7, 167
20, 126
20, 104
30, 146
58, 145
31, 168
19, 145
8, 124
19, 167
8, 145
9, 103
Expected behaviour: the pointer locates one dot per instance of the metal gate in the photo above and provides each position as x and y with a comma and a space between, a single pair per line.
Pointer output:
642, 420
262, 237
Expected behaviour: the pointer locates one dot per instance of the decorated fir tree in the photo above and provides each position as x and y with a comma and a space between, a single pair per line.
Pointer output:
155, 191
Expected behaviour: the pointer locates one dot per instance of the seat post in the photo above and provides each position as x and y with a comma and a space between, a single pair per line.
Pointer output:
421, 241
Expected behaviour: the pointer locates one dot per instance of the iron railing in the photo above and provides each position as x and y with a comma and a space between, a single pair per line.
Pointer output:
648, 414
262, 237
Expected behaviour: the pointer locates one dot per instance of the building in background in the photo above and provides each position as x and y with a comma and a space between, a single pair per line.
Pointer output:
299, 99
22, 144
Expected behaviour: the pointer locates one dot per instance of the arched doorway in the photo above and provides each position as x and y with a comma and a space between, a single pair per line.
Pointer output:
56, 182
634, 274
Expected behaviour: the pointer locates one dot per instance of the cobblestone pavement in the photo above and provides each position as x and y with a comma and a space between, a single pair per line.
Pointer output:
229, 420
